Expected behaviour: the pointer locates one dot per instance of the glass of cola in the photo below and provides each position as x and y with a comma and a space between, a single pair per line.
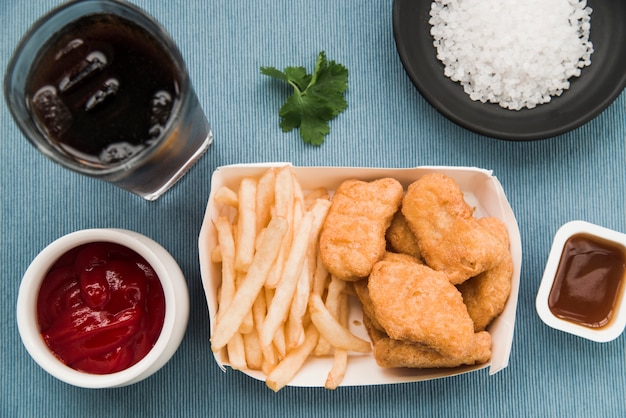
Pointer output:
99, 87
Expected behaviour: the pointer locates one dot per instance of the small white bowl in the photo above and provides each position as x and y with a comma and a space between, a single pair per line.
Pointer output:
617, 323
176, 308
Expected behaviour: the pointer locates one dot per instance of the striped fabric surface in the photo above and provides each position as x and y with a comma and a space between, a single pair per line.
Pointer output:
579, 175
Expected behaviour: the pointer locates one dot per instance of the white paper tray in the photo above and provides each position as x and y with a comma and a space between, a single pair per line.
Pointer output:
482, 190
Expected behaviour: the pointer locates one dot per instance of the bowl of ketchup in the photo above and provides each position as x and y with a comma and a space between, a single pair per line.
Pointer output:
101, 308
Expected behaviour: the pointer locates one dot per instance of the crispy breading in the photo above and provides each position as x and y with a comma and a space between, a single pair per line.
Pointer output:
362, 292
400, 238
486, 294
413, 302
353, 235
497, 229
395, 353
391, 256
450, 238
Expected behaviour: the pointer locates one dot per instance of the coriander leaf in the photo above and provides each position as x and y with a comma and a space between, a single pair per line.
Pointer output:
320, 64
317, 98
313, 131
310, 114
332, 82
275, 73
298, 76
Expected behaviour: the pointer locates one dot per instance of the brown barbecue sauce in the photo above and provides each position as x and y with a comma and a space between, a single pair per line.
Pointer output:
588, 281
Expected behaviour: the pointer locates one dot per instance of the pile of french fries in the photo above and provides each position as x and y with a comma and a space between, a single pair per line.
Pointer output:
277, 304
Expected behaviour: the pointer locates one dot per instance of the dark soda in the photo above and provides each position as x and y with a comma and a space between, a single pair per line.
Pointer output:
103, 89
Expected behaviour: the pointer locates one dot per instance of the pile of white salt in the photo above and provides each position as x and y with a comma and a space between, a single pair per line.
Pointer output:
517, 53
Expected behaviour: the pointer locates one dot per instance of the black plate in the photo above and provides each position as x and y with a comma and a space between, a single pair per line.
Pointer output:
597, 87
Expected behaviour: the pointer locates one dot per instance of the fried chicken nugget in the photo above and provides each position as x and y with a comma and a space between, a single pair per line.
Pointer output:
497, 229
413, 302
362, 292
486, 294
395, 353
450, 238
400, 238
353, 235
399, 257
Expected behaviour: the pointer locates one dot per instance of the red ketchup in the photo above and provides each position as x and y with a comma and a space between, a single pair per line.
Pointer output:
101, 308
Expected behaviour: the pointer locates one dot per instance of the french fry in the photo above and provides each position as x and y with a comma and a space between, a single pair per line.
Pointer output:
294, 332
303, 290
298, 214
216, 254
237, 353
226, 196
338, 371
336, 334
279, 346
227, 247
265, 198
298, 194
333, 298
279, 341
246, 224
320, 209
280, 376
320, 282
313, 195
259, 310
252, 348
259, 239
323, 347
299, 304
320, 277
340, 361
283, 207
283, 193
257, 274
269, 361
344, 309
247, 324
277, 311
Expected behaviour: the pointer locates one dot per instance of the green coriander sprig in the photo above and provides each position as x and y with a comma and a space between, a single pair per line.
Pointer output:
317, 99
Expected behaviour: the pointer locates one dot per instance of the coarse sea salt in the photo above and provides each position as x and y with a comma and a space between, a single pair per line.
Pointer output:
515, 53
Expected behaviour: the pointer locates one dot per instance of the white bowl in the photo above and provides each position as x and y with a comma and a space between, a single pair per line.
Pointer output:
176, 308
617, 323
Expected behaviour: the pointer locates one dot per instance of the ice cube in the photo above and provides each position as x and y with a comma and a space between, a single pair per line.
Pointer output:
51, 111
161, 107
108, 88
118, 152
71, 46
94, 62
